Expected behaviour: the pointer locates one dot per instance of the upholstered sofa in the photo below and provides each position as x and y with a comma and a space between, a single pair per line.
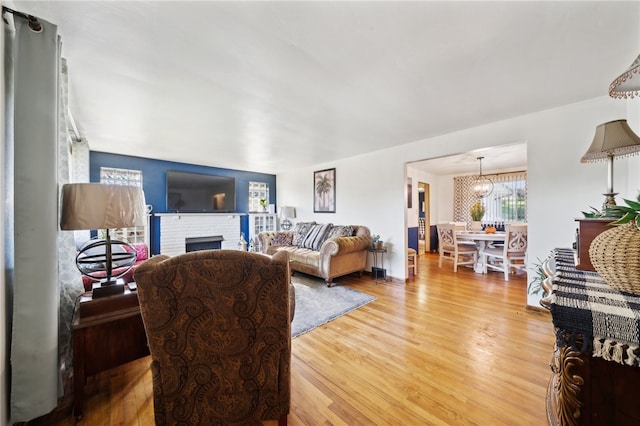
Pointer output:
321, 250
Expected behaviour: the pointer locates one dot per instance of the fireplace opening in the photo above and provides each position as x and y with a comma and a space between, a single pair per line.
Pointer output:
203, 243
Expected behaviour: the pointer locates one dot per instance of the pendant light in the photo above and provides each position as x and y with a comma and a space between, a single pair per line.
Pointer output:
482, 186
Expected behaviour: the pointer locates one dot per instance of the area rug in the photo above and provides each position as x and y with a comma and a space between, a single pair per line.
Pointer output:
317, 304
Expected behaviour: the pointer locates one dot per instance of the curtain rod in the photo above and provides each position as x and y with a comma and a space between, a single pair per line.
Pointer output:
493, 174
34, 24
504, 173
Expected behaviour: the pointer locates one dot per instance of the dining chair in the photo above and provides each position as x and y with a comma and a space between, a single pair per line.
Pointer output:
512, 255
460, 226
412, 260
451, 249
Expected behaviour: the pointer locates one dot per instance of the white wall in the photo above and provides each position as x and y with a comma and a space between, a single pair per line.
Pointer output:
370, 188
4, 387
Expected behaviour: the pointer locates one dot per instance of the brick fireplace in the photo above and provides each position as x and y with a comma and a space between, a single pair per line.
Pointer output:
203, 243
177, 228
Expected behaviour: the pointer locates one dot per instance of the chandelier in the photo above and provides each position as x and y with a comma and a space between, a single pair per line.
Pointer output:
482, 185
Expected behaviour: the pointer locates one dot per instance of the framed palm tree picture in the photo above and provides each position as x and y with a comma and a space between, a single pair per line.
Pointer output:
324, 191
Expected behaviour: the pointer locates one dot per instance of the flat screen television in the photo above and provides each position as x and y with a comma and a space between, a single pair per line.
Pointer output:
199, 192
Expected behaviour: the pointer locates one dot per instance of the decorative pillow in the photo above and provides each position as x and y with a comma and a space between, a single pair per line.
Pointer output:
316, 236
300, 231
141, 251
282, 239
340, 231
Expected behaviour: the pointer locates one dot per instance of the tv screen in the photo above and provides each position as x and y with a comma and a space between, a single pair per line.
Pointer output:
198, 192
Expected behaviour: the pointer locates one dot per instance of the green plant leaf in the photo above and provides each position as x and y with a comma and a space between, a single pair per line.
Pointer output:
633, 204
628, 217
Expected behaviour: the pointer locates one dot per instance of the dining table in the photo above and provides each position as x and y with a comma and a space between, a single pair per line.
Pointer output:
481, 239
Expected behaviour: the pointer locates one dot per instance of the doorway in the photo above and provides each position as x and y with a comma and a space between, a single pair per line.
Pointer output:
424, 223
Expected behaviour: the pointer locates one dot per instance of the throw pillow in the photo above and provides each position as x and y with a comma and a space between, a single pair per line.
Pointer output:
283, 239
340, 231
300, 231
316, 236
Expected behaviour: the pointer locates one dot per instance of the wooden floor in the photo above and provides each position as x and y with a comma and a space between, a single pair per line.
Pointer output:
442, 349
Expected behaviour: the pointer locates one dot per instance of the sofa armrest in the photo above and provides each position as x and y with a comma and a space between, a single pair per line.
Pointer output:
266, 238
344, 245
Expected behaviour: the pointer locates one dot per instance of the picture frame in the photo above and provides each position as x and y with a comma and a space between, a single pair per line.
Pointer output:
324, 191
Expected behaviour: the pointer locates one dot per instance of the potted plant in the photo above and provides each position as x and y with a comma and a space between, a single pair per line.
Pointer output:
477, 213
535, 286
377, 242
263, 204
615, 253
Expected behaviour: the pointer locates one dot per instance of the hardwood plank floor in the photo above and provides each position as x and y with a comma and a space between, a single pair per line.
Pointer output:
442, 349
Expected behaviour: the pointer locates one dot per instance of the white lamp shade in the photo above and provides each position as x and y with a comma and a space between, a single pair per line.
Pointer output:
627, 85
614, 138
288, 212
101, 206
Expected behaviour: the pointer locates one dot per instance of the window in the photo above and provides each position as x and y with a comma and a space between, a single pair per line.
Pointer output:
120, 176
257, 191
113, 176
507, 202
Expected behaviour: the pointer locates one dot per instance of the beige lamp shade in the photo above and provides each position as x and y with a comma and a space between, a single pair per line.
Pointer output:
627, 85
612, 139
101, 206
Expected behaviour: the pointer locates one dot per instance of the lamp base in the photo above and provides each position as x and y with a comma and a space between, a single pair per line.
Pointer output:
286, 224
104, 289
610, 200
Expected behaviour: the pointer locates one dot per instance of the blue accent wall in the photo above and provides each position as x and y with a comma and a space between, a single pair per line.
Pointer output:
154, 185
413, 237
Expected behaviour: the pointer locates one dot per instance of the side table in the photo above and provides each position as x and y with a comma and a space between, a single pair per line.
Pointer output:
377, 270
107, 332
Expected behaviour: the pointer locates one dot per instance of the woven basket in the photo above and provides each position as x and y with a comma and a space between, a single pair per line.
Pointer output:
615, 254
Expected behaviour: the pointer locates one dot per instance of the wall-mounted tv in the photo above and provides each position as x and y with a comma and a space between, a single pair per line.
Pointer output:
199, 192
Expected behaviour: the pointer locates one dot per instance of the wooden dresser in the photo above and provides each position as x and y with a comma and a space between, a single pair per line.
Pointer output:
588, 229
596, 360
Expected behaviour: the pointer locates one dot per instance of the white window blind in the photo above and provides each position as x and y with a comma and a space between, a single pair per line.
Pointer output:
114, 176
257, 191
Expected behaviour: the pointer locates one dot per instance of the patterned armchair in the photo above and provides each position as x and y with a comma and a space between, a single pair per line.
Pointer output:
219, 329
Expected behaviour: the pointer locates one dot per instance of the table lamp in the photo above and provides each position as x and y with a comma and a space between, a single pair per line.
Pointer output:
612, 139
88, 206
287, 212
627, 85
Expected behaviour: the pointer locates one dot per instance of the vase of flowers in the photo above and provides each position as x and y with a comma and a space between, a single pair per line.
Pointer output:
477, 213
377, 243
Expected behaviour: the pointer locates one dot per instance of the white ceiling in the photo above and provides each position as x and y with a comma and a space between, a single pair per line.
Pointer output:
499, 158
266, 86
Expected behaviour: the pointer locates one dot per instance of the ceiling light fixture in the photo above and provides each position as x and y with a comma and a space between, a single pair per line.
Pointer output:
482, 186
627, 85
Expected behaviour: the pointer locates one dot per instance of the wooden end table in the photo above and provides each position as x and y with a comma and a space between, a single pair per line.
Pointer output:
107, 332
